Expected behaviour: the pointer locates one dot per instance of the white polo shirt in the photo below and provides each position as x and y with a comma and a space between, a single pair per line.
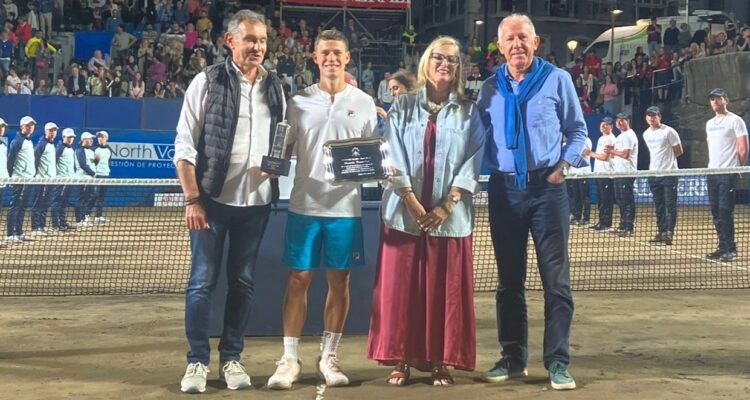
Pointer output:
604, 141
314, 120
660, 143
626, 141
721, 135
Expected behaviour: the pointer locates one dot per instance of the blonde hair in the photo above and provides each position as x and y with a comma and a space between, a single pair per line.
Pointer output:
457, 86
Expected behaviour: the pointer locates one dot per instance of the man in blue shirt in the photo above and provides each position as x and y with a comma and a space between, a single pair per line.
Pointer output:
527, 107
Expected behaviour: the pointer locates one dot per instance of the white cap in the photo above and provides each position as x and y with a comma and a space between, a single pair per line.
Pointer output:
67, 132
86, 135
2, 122
102, 133
50, 125
27, 120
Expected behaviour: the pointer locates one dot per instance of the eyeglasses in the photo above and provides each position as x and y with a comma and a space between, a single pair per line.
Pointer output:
439, 58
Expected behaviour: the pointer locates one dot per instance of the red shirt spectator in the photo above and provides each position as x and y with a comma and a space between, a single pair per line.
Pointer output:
594, 62
283, 31
23, 31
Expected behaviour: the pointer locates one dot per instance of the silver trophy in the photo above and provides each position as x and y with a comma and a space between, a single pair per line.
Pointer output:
275, 163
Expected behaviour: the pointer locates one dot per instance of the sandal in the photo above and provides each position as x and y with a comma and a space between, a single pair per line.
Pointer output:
400, 375
441, 376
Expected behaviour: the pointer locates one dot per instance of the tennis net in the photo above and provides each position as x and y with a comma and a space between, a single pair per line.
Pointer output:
136, 243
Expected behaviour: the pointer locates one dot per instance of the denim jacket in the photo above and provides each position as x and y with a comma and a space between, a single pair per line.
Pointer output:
459, 147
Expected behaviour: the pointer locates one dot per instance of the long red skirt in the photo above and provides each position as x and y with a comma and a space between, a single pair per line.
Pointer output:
423, 302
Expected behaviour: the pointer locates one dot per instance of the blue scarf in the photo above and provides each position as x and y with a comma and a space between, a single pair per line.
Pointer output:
515, 127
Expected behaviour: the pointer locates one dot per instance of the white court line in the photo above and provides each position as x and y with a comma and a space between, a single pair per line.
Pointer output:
683, 253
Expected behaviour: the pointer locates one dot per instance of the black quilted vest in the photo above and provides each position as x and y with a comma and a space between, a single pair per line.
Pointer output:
222, 112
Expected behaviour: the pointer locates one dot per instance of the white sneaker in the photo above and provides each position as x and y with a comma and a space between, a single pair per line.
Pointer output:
13, 239
330, 370
233, 373
25, 238
194, 380
82, 224
100, 220
38, 233
287, 372
53, 231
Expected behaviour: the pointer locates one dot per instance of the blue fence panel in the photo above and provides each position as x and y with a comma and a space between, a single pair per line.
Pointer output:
13, 107
112, 113
65, 112
88, 42
160, 114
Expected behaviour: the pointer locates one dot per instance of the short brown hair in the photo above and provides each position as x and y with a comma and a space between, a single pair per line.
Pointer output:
332, 34
404, 78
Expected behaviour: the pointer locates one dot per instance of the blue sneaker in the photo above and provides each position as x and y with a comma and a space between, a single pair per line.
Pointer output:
559, 376
504, 370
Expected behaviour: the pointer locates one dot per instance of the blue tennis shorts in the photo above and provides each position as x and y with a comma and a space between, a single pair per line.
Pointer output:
339, 238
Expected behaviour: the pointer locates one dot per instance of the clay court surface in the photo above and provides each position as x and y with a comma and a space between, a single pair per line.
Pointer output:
625, 345
632, 344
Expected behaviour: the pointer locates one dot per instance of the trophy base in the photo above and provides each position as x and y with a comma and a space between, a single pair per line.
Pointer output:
275, 166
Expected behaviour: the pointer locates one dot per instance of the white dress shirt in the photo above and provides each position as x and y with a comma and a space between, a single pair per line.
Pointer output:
243, 186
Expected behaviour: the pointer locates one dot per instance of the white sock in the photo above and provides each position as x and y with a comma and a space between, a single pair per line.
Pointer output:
291, 347
330, 342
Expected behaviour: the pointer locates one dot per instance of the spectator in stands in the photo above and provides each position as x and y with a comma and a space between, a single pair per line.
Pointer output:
137, 87
604, 186
593, 63
609, 92
625, 159
726, 135
158, 92
588, 80
204, 23
730, 26
653, 36
398, 84
174, 91
165, 15
20, 165
76, 83
116, 86
702, 51
191, 39
41, 88
131, 68
113, 22
11, 9
97, 61
717, 44
283, 32
220, 52
662, 74
23, 35
46, 7
384, 95
672, 37
99, 82
59, 89
368, 77
743, 42
121, 43
157, 73
423, 242
46, 168
6, 51
150, 34
353, 69
664, 146
204, 43
683, 38
233, 199
3, 161
27, 84
701, 36
145, 55
474, 82
12, 82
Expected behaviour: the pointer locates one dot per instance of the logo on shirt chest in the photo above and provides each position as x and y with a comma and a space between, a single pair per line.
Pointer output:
351, 113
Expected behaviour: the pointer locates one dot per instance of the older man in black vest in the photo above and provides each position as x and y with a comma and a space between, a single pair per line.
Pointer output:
225, 127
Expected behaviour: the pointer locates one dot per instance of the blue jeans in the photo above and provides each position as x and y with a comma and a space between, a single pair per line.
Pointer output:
44, 196
721, 194
542, 209
59, 204
625, 199
244, 226
664, 192
19, 196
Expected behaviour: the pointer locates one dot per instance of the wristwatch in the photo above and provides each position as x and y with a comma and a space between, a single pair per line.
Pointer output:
564, 168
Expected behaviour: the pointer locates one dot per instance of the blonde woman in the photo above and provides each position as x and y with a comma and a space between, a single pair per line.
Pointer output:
422, 312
